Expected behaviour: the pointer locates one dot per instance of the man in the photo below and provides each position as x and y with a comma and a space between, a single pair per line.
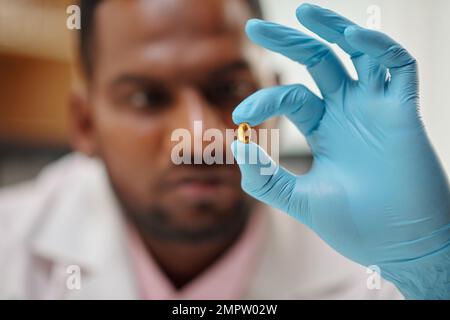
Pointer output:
128, 223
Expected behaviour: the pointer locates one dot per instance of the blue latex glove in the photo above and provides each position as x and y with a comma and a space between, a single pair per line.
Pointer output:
376, 191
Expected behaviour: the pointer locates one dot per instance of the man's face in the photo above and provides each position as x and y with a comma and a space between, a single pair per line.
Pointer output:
160, 65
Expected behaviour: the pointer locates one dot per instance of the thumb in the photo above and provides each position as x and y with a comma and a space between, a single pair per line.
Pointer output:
262, 178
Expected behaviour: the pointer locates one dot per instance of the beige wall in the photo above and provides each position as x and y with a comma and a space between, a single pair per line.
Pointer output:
33, 100
35, 52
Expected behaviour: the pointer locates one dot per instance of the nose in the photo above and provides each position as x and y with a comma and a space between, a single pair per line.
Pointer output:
205, 123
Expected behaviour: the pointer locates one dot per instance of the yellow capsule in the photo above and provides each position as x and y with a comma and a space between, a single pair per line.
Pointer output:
244, 132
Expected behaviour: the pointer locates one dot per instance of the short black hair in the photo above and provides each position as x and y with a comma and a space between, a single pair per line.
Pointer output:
87, 8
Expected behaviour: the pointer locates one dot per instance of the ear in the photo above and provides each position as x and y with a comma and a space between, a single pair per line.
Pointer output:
81, 120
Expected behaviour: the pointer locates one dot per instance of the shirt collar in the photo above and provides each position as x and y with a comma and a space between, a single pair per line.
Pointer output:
226, 278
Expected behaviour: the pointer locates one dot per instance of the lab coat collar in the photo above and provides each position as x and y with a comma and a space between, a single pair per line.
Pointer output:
88, 234
58, 237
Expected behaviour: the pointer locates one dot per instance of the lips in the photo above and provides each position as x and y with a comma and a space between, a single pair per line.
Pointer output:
206, 181
199, 183
197, 189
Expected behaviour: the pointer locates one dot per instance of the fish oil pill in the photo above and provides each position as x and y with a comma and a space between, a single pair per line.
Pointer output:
244, 132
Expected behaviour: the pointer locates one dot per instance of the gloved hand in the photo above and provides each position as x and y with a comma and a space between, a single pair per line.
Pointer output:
376, 191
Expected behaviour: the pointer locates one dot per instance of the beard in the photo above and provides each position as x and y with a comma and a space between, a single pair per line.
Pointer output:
168, 217
158, 223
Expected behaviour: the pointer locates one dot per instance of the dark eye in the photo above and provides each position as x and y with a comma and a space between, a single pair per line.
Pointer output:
150, 98
229, 92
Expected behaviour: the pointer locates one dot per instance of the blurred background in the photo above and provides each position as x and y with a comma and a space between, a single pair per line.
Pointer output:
36, 74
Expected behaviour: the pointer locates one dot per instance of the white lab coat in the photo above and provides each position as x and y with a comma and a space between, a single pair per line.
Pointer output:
69, 217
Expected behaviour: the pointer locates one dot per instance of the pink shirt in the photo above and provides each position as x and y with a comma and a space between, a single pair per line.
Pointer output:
226, 279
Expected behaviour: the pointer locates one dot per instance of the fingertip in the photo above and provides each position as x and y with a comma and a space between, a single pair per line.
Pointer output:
235, 118
253, 22
264, 33
238, 117
304, 10
243, 113
252, 27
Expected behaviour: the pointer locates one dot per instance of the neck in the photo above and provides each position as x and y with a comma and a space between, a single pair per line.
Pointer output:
184, 261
